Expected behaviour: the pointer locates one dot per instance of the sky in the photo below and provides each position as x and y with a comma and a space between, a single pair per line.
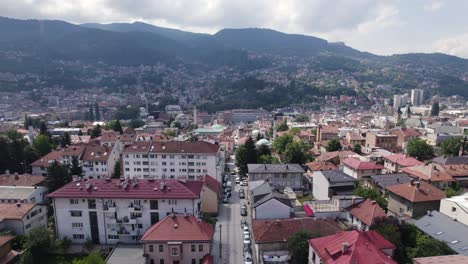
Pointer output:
379, 26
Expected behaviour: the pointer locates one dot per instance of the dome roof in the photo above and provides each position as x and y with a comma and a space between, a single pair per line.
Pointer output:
263, 141
217, 126
180, 116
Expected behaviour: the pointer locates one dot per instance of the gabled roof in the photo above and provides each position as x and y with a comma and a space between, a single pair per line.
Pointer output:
211, 183
386, 180
275, 168
411, 192
20, 180
336, 176
282, 198
444, 228
143, 189
179, 228
331, 155
46, 160
407, 132
357, 164
403, 160
367, 211
461, 160
96, 153
321, 165
10, 211
431, 172
280, 230
364, 247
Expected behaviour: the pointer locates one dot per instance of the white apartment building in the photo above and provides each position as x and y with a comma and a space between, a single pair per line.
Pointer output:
417, 97
456, 207
173, 160
110, 211
99, 161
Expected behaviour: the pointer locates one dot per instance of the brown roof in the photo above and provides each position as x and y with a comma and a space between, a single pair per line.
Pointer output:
4, 239
367, 211
329, 129
330, 155
409, 132
179, 228
47, 159
449, 259
456, 170
431, 172
321, 165
112, 136
425, 193
280, 230
13, 212
74, 150
96, 153
211, 183
20, 180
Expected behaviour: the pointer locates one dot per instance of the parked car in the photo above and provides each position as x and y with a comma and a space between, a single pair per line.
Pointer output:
243, 211
247, 249
233, 172
227, 194
241, 195
247, 258
243, 223
245, 228
246, 241
228, 189
244, 183
237, 180
226, 199
241, 190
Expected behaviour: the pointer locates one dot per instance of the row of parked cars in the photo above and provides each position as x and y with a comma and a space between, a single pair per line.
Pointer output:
227, 186
247, 244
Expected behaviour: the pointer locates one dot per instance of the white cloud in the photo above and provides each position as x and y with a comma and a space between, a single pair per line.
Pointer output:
434, 5
457, 45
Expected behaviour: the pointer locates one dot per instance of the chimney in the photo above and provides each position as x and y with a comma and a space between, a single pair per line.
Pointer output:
418, 184
345, 247
16, 176
429, 213
412, 182
287, 167
18, 205
398, 179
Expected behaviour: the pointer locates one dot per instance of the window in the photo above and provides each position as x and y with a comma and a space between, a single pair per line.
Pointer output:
152, 156
163, 156
174, 252
75, 213
112, 237
154, 205
454, 209
171, 156
150, 248
193, 248
151, 261
78, 236
161, 248
91, 204
200, 248
145, 156
194, 261
164, 163
161, 261
74, 201
77, 225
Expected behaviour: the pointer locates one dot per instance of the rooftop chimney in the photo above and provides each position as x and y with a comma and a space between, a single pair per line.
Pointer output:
16, 176
18, 205
345, 247
418, 184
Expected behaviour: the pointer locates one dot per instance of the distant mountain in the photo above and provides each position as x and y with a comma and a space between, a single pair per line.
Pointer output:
169, 33
271, 41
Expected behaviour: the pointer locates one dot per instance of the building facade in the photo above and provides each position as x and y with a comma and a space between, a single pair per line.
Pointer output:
278, 175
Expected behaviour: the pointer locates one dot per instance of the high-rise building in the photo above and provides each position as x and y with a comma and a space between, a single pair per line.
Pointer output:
417, 97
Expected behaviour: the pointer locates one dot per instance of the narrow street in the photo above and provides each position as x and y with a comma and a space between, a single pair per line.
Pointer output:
231, 234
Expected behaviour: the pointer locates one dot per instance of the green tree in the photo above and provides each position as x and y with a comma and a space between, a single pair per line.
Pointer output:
333, 145
117, 172
279, 145
43, 129
357, 148
65, 140
451, 146
251, 151
76, 168
241, 159
97, 111
435, 109
263, 150
294, 131
136, 123
419, 149
295, 152
371, 193
265, 159
27, 122
14, 135
42, 144
91, 114
169, 132
93, 258
283, 127
314, 131
96, 132
301, 118
298, 247
39, 241
57, 176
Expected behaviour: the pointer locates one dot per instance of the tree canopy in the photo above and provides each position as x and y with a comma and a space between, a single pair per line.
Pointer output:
451, 146
298, 246
279, 145
42, 145
435, 109
283, 127
419, 149
296, 152
57, 176
301, 118
333, 145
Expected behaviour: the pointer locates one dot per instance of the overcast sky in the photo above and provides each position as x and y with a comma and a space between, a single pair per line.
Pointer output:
378, 26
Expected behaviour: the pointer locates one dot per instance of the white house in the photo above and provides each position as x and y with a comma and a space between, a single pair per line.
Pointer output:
330, 183
20, 218
110, 211
456, 207
273, 206
99, 161
173, 160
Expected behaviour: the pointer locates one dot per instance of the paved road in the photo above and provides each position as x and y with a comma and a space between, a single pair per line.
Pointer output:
231, 234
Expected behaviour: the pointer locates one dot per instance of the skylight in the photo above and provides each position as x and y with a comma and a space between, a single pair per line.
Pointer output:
439, 233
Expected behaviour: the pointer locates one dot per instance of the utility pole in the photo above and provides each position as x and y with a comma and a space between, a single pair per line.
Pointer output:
220, 243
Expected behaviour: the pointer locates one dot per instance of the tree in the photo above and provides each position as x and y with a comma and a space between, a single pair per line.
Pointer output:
169, 132
90, 114
298, 247
42, 144
135, 123
43, 129
294, 131
27, 122
451, 146
295, 152
251, 151
117, 172
96, 110
357, 149
75, 169
241, 159
419, 149
96, 132
66, 140
283, 127
371, 193
14, 135
263, 150
117, 126
39, 241
279, 145
301, 118
435, 109
265, 159
93, 258
333, 145
57, 176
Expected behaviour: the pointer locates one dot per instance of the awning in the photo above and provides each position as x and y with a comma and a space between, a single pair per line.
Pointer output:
309, 212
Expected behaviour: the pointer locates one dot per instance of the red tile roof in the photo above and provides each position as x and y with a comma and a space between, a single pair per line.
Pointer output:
280, 230
73, 150
364, 248
403, 160
20, 180
431, 172
367, 211
179, 228
96, 153
409, 132
46, 160
425, 193
173, 147
145, 189
13, 212
340, 154
357, 164
321, 165
211, 183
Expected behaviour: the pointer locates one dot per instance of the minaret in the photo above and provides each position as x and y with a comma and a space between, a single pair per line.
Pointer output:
274, 130
195, 117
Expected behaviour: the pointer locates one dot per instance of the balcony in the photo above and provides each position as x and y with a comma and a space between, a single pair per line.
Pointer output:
135, 208
109, 208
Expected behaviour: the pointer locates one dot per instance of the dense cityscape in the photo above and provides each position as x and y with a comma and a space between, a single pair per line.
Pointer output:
132, 143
